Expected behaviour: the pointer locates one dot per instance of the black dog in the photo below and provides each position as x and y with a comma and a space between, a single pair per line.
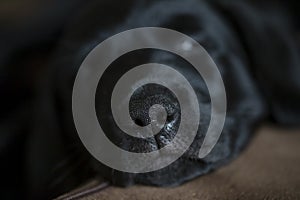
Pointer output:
253, 46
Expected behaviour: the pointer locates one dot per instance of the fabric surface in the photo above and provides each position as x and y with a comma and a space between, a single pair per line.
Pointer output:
268, 169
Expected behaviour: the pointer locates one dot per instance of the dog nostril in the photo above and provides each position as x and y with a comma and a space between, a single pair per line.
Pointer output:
170, 118
139, 122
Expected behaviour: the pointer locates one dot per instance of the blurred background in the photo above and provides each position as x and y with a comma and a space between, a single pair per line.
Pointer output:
29, 31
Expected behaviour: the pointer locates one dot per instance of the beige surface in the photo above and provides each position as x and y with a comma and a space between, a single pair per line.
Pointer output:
268, 169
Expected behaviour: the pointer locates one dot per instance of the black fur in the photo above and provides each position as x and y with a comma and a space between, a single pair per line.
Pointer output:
252, 44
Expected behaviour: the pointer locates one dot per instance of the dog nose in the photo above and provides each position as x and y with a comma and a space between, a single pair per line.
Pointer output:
164, 122
166, 118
